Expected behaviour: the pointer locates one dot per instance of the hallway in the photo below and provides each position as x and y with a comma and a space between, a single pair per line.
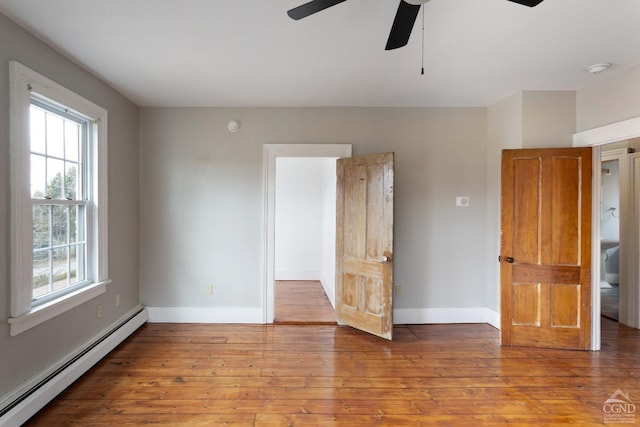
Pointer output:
302, 302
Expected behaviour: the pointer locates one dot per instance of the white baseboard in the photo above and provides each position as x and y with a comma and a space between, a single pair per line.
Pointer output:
252, 315
330, 292
40, 390
418, 316
297, 275
329, 287
205, 315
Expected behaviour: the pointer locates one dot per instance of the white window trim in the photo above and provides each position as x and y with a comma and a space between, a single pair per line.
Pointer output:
22, 81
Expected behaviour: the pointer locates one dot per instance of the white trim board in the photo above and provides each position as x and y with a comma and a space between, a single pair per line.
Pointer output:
603, 135
251, 315
25, 85
419, 316
46, 389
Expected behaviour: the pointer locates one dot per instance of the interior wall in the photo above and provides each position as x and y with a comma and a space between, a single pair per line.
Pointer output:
610, 213
299, 218
548, 118
328, 267
202, 198
24, 356
504, 131
613, 97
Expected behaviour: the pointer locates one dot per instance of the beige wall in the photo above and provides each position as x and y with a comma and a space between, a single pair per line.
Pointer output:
305, 220
614, 97
202, 198
504, 130
548, 119
31, 352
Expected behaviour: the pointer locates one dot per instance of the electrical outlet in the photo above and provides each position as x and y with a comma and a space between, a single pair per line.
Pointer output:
117, 300
397, 290
209, 288
99, 311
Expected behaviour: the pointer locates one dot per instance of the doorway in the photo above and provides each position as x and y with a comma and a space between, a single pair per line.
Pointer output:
272, 152
619, 238
610, 234
625, 132
305, 223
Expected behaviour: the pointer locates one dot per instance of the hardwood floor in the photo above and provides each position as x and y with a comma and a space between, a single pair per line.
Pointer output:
300, 375
300, 302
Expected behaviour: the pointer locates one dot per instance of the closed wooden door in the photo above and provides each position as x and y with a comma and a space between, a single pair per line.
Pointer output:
364, 243
545, 269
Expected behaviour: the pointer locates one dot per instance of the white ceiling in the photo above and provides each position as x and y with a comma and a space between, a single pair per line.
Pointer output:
250, 53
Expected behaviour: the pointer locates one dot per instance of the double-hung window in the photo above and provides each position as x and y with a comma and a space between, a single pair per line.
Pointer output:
58, 199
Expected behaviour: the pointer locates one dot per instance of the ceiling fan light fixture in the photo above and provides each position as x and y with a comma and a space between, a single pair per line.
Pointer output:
597, 68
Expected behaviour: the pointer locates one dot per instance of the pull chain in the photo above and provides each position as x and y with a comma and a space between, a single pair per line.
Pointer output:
422, 71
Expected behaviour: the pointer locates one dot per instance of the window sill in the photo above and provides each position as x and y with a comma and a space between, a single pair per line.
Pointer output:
55, 307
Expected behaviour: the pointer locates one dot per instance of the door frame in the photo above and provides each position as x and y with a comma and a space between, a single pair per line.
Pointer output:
626, 309
269, 154
596, 138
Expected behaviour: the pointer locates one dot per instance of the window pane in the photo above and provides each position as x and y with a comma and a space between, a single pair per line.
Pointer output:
38, 180
41, 228
78, 253
73, 265
41, 273
37, 126
55, 170
55, 142
71, 182
60, 268
59, 225
74, 219
71, 140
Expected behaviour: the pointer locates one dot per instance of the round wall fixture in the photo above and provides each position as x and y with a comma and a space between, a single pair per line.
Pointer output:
233, 126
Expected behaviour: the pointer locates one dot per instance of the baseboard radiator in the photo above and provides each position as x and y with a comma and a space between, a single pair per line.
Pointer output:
26, 402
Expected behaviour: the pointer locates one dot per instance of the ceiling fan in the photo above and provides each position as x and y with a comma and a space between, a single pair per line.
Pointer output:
402, 24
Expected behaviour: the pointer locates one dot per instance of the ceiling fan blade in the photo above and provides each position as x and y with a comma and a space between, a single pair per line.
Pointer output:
530, 3
402, 25
311, 7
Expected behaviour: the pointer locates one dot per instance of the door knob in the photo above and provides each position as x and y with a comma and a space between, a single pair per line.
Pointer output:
510, 260
385, 258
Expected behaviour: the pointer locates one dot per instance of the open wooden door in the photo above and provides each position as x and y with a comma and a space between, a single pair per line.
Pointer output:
364, 243
545, 269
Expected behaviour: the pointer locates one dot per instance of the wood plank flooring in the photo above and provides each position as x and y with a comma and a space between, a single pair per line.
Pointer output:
329, 375
300, 302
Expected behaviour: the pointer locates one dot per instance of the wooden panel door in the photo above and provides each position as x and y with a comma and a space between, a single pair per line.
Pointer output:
364, 243
545, 269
